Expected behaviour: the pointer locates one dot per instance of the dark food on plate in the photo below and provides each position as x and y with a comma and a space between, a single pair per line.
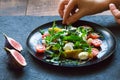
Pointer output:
69, 44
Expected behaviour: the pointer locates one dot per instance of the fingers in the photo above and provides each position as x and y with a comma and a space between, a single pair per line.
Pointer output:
114, 10
68, 10
68, 13
75, 17
62, 7
73, 11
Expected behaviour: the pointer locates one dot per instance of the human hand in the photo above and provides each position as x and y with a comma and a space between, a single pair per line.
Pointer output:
73, 10
115, 12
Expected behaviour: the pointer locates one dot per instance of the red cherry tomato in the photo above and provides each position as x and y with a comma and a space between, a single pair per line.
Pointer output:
40, 48
93, 36
95, 52
96, 42
44, 35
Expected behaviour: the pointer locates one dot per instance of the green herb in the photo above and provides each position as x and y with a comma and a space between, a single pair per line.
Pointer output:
42, 31
57, 40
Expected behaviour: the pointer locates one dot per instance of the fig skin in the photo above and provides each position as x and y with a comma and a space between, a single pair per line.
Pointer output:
13, 62
12, 44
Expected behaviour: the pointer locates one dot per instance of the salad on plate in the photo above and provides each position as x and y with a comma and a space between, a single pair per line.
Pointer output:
69, 44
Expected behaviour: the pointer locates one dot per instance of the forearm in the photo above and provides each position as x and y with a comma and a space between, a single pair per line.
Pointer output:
105, 3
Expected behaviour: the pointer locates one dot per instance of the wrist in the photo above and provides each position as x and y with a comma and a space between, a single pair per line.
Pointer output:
107, 2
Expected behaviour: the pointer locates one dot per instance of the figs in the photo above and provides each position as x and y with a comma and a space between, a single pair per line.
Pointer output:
16, 60
12, 44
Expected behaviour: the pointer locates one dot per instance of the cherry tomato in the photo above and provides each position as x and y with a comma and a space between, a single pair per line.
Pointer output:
44, 35
40, 48
93, 36
96, 42
95, 52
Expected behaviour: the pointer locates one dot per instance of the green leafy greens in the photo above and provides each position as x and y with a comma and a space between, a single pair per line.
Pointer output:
58, 37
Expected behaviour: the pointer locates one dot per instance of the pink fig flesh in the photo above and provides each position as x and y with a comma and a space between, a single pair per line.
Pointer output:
16, 58
12, 44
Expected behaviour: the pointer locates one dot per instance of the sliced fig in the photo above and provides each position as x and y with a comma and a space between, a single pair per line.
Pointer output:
12, 44
15, 58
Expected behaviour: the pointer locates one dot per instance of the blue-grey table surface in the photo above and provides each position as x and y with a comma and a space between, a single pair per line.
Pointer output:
19, 27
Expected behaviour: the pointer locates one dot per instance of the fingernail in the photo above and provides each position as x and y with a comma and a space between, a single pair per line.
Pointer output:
112, 6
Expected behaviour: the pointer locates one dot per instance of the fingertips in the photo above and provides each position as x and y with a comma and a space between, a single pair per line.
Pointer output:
114, 10
112, 6
75, 17
68, 10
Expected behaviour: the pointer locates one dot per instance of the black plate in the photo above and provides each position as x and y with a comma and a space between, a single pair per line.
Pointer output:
107, 47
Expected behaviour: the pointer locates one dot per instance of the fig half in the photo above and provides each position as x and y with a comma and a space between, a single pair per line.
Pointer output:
15, 58
12, 44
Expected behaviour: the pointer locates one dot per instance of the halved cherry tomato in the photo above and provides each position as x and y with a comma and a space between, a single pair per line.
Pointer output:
44, 35
95, 52
40, 48
93, 36
96, 42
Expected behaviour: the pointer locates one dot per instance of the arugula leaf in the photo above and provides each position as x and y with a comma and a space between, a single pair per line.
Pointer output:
58, 38
56, 47
71, 38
